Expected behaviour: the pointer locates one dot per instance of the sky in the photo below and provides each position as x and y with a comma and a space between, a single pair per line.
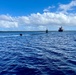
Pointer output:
37, 15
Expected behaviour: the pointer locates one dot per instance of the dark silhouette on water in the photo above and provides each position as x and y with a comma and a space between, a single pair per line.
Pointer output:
20, 34
60, 29
46, 30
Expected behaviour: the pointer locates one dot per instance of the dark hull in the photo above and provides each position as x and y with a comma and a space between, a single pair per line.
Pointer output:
60, 30
46, 31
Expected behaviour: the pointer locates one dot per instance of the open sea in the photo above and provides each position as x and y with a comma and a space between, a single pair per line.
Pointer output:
38, 53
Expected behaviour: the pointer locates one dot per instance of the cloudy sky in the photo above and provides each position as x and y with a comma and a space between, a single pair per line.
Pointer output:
37, 15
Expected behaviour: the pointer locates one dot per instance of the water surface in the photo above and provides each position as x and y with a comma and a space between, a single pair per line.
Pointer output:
38, 53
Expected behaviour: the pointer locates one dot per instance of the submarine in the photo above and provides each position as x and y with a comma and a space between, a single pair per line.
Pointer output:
60, 29
46, 30
20, 34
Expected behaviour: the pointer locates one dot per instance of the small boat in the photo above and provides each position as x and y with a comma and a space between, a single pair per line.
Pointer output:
46, 30
20, 34
60, 29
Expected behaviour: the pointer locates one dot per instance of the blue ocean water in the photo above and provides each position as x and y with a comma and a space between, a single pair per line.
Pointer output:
38, 53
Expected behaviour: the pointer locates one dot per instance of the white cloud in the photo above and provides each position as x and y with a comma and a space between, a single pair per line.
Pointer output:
66, 7
40, 21
49, 9
7, 21
8, 24
42, 27
23, 20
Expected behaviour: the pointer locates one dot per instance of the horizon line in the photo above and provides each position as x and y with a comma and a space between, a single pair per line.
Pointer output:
35, 31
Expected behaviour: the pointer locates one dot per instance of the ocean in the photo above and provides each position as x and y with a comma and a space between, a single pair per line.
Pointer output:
38, 53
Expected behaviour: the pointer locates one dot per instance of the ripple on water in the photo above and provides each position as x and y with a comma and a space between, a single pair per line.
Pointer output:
38, 54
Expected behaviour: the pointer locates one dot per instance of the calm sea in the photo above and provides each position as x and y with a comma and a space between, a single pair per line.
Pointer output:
38, 53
